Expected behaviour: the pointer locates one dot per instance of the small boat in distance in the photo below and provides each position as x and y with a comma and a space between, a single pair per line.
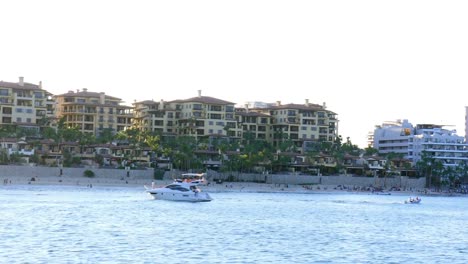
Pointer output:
182, 189
382, 193
413, 200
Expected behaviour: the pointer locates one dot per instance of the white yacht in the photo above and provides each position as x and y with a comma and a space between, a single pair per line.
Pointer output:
184, 189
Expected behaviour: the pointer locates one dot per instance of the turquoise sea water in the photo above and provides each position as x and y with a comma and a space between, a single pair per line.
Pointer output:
56, 224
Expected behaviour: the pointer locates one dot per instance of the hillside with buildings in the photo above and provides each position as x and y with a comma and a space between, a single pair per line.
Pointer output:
83, 127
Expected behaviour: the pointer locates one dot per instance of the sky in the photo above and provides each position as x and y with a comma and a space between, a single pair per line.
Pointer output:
369, 61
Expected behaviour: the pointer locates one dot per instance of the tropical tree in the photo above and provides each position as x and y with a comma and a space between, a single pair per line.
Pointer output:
106, 136
349, 148
8, 131
71, 134
369, 151
431, 168
50, 133
134, 137
181, 151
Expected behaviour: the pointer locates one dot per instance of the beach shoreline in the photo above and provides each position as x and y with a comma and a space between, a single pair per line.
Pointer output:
211, 187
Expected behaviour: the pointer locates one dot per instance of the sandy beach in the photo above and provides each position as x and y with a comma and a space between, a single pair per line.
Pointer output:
141, 182
212, 187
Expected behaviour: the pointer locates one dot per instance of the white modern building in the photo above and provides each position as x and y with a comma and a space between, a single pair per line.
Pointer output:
392, 136
440, 143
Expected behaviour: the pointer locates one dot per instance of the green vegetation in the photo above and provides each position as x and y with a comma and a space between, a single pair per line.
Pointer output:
158, 174
88, 173
242, 155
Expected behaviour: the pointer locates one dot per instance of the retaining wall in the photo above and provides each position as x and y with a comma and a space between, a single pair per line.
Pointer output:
38, 171
403, 182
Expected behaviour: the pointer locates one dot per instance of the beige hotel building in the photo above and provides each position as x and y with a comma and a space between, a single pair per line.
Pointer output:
93, 112
24, 104
204, 116
200, 116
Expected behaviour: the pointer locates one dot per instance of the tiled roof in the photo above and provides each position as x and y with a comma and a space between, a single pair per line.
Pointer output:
69, 143
146, 102
14, 140
315, 107
203, 100
86, 94
298, 106
27, 86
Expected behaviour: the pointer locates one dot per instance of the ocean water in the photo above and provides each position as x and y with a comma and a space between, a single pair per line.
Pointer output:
56, 224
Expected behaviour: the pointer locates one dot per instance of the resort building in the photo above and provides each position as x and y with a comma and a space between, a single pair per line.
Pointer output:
392, 137
370, 139
24, 104
27, 104
441, 144
145, 114
411, 141
204, 116
301, 123
200, 116
157, 117
93, 112
256, 123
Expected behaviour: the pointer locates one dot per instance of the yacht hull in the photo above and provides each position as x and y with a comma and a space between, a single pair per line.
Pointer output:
173, 196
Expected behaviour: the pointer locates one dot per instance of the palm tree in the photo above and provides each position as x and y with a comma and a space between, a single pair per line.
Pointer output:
431, 168
106, 136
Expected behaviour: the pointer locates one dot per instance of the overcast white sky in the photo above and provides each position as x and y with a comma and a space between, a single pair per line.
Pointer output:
370, 61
